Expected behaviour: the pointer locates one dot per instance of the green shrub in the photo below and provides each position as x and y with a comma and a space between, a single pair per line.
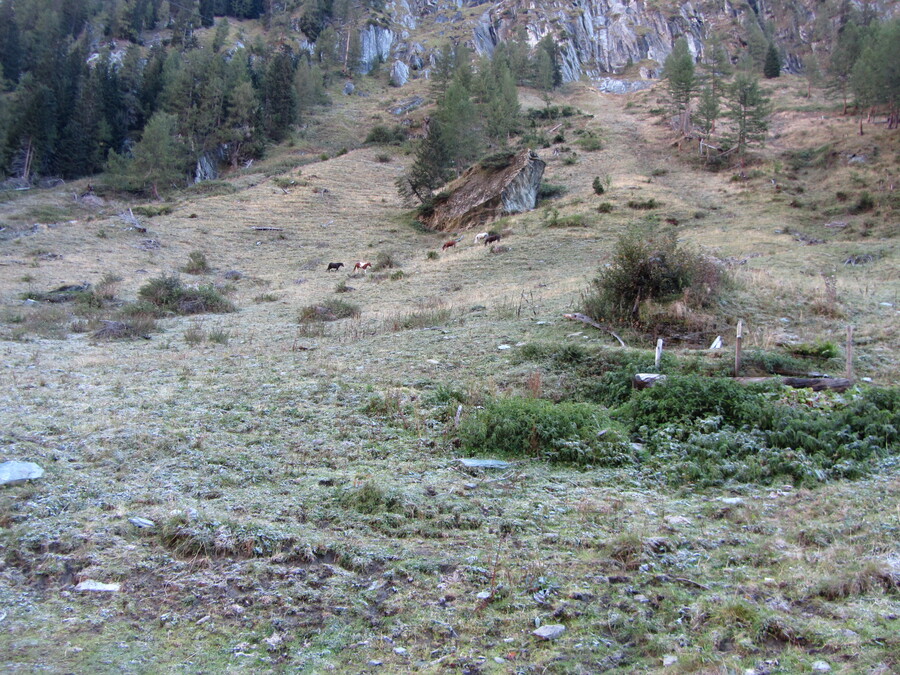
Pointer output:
549, 191
778, 442
598, 186
820, 349
590, 143
645, 205
167, 294
559, 432
329, 310
650, 268
371, 498
682, 398
196, 264
497, 161
383, 135
863, 204
385, 260
605, 207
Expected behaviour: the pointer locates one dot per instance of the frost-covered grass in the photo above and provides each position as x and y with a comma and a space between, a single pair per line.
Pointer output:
309, 510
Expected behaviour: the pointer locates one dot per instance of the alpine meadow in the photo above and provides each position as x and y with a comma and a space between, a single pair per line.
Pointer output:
367, 336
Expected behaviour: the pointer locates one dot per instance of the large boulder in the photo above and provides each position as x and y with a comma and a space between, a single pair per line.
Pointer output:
495, 187
399, 74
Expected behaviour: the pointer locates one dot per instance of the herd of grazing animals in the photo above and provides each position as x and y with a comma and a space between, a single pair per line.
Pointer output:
364, 265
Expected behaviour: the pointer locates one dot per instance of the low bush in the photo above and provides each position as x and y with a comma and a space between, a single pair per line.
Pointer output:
196, 264
776, 442
384, 135
651, 268
385, 260
580, 433
329, 310
688, 397
645, 205
167, 294
820, 349
549, 191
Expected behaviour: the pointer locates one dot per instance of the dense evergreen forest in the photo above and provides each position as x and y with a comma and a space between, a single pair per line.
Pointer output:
157, 92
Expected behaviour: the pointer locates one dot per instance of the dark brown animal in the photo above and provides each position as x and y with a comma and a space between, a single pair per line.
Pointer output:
448, 244
334, 267
491, 239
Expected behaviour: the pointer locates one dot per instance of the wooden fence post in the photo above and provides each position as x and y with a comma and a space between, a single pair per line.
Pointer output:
849, 371
659, 347
739, 339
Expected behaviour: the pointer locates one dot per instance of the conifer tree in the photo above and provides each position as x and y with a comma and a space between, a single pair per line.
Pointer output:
748, 109
157, 163
844, 54
772, 67
681, 81
279, 97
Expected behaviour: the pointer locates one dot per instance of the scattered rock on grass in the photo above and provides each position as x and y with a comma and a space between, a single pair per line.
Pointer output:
137, 521
485, 463
820, 667
549, 632
91, 585
18, 472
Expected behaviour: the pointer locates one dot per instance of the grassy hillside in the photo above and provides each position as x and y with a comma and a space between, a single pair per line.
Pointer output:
309, 512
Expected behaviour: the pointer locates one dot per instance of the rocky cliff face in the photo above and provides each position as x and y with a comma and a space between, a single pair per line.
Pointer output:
597, 38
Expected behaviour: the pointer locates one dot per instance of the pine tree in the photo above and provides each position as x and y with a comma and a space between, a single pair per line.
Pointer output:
279, 98
757, 44
772, 67
716, 64
547, 73
309, 82
443, 70
157, 162
844, 54
501, 109
748, 110
10, 47
681, 80
708, 110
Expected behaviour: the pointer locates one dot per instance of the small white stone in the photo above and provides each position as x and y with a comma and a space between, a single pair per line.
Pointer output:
399, 651
91, 585
669, 660
483, 595
504, 346
820, 667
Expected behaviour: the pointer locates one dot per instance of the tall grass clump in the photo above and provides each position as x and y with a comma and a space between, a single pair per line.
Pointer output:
579, 433
647, 269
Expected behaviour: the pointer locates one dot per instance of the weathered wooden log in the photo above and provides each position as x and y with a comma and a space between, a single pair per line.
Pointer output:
815, 383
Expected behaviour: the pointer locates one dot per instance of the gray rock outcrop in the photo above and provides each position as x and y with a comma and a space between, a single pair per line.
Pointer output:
375, 46
509, 184
399, 74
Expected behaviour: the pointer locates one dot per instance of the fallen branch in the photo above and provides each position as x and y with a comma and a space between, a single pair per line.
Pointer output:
590, 322
267, 229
